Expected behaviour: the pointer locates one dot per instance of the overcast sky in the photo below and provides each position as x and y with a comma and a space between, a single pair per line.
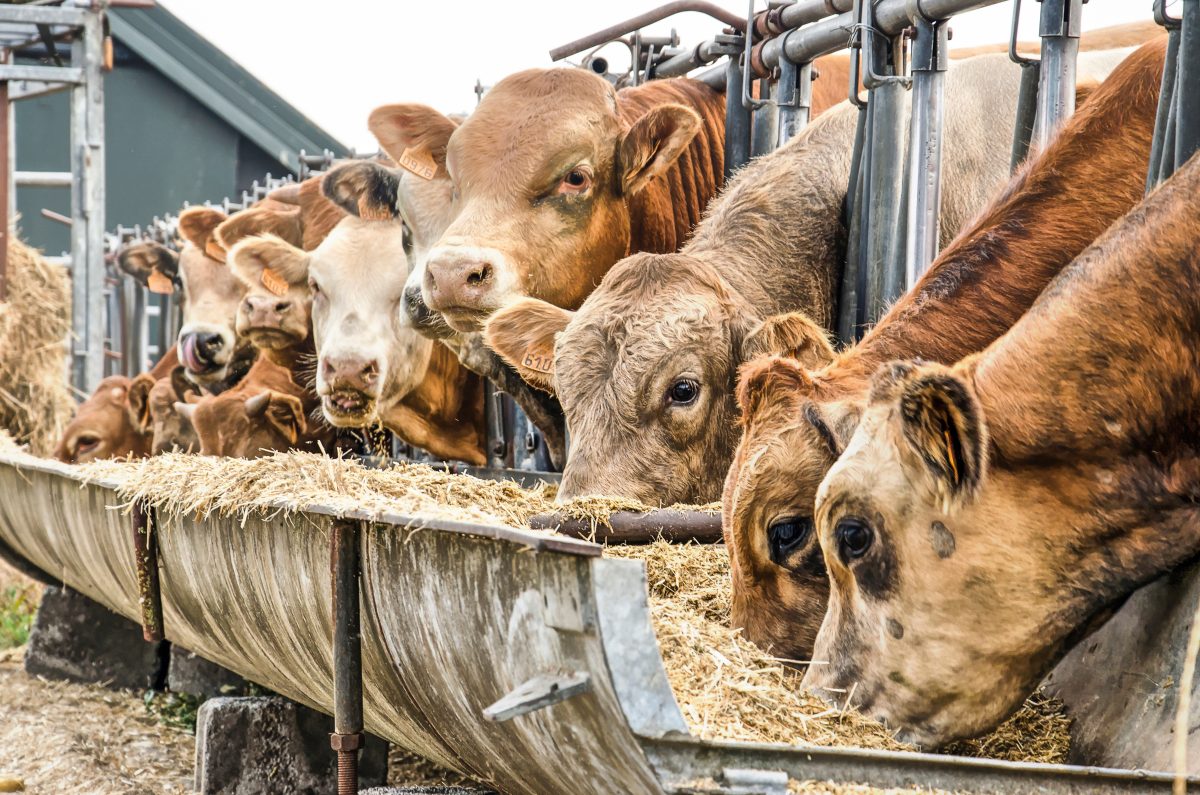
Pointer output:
337, 61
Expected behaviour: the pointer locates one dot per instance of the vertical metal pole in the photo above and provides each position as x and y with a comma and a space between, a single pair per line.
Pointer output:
1060, 28
145, 555
737, 119
6, 182
1187, 113
925, 147
499, 451
795, 99
1027, 95
1166, 102
852, 210
765, 129
347, 737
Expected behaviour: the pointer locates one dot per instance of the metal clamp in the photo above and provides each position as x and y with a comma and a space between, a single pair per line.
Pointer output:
541, 691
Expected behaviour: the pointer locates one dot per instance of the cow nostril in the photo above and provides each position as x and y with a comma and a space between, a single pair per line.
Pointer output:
283, 306
479, 274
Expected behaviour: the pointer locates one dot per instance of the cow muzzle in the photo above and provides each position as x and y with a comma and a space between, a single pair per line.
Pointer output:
429, 323
204, 351
465, 284
267, 319
349, 389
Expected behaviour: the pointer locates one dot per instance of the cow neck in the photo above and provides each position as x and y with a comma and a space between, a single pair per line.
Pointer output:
1057, 205
663, 214
444, 413
775, 234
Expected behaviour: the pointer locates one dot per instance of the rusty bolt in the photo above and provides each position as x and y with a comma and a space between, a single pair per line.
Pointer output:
345, 742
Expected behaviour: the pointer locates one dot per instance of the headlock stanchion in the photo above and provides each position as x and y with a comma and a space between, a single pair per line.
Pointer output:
1187, 132
1060, 28
794, 99
1027, 97
1162, 149
925, 143
145, 550
347, 737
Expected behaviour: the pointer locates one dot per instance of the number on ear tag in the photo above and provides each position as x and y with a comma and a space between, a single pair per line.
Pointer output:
273, 281
538, 363
419, 162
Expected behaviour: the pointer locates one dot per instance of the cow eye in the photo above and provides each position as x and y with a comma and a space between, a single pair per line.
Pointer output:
86, 443
854, 538
576, 181
683, 392
786, 535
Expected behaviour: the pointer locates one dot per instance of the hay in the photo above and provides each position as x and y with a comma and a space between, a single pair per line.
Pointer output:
35, 401
729, 689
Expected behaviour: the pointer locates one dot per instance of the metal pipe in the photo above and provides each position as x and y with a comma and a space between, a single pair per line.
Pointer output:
765, 126
737, 119
629, 527
853, 210
42, 179
6, 180
1166, 100
929, 59
145, 556
1187, 114
794, 99
347, 737
613, 32
1027, 105
1060, 29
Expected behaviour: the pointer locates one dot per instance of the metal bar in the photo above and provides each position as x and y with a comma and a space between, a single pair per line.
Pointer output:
737, 119
853, 209
765, 125
620, 29
794, 100
87, 232
1060, 29
1166, 100
6, 180
628, 527
145, 556
925, 147
43, 179
1187, 119
43, 15
347, 737
499, 450
45, 74
1027, 104
27, 89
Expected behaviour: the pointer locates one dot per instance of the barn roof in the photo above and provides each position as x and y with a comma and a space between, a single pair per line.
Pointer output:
220, 84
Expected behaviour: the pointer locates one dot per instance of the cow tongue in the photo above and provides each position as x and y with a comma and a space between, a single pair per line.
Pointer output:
188, 355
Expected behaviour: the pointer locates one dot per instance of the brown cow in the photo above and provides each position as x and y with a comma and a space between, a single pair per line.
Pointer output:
263, 413
985, 516
558, 176
104, 427
646, 368
152, 404
797, 420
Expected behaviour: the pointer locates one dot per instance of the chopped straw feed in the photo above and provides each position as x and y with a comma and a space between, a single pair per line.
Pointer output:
35, 401
727, 688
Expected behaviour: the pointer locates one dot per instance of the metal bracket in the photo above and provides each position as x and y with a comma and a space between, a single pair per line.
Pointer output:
541, 691
145, 555
753, 781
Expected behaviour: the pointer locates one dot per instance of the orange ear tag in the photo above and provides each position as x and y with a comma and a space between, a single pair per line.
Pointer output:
160, 284
273, 281
419, 162
538, 363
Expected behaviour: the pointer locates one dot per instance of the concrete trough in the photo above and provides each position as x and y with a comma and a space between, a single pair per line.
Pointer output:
458, 618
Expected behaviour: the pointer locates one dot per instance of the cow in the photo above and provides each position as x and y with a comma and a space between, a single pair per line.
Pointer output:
985, 516
372, 365
104, 427
152, 404
264, 413
796, 419
558, 176
646, 368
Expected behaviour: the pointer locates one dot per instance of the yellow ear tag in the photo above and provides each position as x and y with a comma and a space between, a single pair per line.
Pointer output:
950, 455
538, 363
160, 284
273, 281
419, 162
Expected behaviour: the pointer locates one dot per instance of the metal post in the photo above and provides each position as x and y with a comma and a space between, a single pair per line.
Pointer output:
6, 182
347, 737
145, 555
737, 119
1027, 96
499, 451
925, 147
853, 210
1060, 28
765, 129
1187, 114
794, 99
1166, 101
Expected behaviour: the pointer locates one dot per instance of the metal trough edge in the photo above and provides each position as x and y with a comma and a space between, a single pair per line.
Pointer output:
455, 616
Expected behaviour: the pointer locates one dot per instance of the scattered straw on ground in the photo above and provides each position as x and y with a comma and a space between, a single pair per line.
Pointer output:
729, 689
35, 403
412, 770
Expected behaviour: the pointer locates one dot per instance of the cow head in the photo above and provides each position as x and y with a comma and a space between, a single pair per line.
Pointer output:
542, 172
152, 403
793, 429
209, 347
273, 314
368, 354
645, 372
105, 426
240, 426
937, 613
425, 203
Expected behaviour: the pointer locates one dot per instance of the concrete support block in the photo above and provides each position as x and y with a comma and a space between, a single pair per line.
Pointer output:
190, 673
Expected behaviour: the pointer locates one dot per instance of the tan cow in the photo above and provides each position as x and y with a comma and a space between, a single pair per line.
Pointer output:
646, 368
558, 176
797, 419
985, 516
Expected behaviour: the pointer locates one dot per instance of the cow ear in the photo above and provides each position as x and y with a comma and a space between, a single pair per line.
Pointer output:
792, 335
180, 384
365, 189
250, 258
197, 225
284, 224
143, 260
942, 426
653, 143
139, 402
285, 413
523, 333
287, 194
770, 382
419, 130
